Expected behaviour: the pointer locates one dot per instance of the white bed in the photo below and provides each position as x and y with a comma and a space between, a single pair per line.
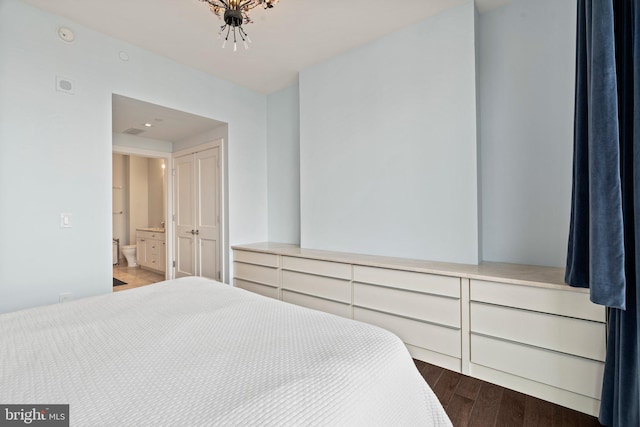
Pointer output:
191, 351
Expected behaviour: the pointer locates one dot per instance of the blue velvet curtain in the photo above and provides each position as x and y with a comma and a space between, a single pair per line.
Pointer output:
604, 240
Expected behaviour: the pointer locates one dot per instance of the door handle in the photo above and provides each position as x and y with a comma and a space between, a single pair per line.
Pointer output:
192, 232
197, 231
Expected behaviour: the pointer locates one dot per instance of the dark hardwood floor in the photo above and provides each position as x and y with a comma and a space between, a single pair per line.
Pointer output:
472, 402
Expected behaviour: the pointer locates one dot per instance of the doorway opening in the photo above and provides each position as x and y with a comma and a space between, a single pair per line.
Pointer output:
140, 196
147, 140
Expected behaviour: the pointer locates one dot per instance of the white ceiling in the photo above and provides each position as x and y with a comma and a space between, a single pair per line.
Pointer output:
292, 36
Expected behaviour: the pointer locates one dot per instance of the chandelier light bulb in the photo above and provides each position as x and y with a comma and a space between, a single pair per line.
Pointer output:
246, 46
224, 43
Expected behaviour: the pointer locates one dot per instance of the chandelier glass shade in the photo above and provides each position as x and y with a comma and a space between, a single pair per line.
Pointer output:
235, 13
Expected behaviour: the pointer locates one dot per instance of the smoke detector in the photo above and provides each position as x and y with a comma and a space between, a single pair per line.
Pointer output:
66, 34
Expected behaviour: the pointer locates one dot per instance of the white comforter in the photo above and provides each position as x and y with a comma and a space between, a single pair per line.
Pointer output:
193, 352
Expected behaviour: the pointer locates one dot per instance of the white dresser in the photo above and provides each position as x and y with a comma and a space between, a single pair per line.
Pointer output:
547, 341
514, 325
321, 285
424, 310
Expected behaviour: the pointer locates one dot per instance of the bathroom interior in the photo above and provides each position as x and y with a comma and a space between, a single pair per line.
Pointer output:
139, 206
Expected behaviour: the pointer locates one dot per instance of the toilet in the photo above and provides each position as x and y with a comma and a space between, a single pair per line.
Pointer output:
129, 252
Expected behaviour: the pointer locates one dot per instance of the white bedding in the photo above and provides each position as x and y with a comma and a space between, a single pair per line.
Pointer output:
193, 352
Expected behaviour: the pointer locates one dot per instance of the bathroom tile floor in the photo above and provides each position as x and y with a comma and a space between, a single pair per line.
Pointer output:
134, 276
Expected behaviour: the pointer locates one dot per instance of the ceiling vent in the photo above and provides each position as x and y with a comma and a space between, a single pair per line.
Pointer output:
133, 131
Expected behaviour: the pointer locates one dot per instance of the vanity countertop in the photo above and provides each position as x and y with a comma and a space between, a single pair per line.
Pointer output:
152, 229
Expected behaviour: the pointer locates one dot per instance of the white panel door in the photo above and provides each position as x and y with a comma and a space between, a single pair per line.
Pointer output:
208, 213
197, 210
185, 189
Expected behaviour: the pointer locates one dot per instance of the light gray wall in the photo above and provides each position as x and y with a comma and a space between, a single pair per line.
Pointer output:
283, 159
55, 150
388, 145
526, 86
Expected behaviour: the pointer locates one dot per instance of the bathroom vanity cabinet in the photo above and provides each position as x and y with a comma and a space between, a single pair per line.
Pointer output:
151, 249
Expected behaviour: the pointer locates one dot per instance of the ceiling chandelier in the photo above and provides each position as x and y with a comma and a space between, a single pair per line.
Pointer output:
235, 13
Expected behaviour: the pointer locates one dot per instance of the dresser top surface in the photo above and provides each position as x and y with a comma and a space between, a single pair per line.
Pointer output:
519, 274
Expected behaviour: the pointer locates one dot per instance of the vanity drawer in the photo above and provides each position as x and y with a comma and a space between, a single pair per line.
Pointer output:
546, 300
431, 308
269, 260
267, 291
337, 308
256, 273
154, 262
419, 282
150, 235
564, 334
436, 338
322, 268
155, 247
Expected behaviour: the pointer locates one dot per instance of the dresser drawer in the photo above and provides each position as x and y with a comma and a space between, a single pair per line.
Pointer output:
420, 282
572, 373
256, 273
256, 288
425, 335
319, 304
324, 287
564, 334
322, 268
431, 308
546, 300
259, 258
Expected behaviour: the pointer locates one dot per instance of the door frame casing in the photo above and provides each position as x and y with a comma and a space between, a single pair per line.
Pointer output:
168, 226
220, 143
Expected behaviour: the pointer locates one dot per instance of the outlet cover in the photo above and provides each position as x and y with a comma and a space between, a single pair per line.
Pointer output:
65, 296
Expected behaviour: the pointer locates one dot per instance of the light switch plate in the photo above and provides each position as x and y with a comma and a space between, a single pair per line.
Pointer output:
65, 220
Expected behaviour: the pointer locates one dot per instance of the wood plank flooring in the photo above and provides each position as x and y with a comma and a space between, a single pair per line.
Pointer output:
475, 403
